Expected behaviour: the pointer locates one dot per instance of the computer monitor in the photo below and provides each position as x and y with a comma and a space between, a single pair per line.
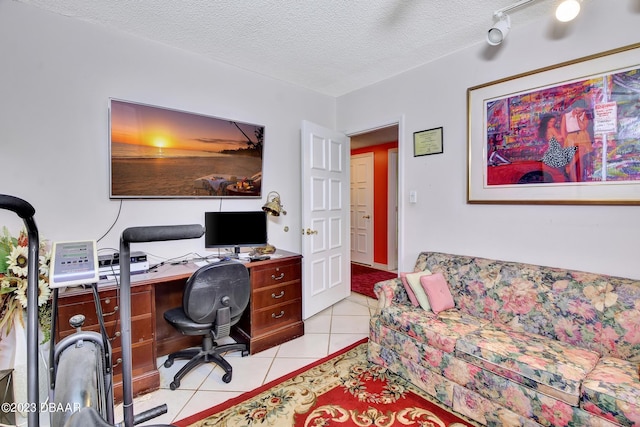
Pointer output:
235, 229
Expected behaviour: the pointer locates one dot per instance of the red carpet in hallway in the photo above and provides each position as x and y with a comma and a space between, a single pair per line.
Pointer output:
363, 278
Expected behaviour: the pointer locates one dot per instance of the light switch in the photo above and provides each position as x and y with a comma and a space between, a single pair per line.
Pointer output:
413, 196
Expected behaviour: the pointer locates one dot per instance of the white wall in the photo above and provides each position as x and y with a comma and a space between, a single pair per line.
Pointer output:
56, 76
600, 239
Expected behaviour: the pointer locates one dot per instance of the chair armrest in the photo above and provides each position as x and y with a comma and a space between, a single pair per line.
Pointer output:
390, 292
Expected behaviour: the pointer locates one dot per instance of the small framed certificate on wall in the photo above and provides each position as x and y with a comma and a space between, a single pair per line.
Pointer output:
427, 142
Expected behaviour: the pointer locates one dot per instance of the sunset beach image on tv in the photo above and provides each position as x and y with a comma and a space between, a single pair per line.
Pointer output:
163, 153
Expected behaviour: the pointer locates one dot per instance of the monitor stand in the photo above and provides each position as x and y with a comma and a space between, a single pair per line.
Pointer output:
235, 254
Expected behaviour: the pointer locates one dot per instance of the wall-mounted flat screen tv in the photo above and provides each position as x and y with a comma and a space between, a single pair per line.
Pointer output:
233, 230
157, 152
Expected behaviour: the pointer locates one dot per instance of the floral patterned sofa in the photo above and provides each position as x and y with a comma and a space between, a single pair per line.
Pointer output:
525, 345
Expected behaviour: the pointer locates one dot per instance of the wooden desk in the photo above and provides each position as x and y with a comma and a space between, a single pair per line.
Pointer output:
274, 314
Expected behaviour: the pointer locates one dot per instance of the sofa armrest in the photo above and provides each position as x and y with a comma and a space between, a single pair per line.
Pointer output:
389, 292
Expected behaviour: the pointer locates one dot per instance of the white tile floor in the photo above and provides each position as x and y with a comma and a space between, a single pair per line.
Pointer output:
334, 328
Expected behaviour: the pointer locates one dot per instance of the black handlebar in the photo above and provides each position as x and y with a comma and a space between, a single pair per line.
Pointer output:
19, 206
139, 235
162, 233
26, 212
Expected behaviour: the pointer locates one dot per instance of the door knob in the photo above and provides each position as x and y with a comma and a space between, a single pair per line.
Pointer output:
310, 231
367, 217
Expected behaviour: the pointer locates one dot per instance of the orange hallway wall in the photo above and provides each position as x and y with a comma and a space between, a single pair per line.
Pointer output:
380, 197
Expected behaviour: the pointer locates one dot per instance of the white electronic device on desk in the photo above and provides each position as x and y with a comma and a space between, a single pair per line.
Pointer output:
73, 263
110, 264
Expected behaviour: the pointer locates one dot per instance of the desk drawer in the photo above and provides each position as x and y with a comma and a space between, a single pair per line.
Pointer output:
275, 274
145, 373
266, 297
142, 359
141, 330
140, 304
277, 316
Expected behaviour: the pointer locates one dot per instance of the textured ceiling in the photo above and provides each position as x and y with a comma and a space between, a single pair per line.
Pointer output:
330, 46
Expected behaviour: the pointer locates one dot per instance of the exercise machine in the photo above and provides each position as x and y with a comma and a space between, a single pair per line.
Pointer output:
82, 373
81, 376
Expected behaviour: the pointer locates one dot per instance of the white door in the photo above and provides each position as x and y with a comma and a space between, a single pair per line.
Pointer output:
326, 272
362, 208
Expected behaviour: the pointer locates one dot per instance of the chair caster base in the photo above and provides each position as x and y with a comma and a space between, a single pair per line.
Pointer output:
174, 385
227, 377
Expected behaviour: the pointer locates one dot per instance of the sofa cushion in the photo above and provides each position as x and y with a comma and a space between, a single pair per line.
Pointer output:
413, 280
551, 367
438, 292
440, 332
612, 391
407, 287
566, 305
620, 331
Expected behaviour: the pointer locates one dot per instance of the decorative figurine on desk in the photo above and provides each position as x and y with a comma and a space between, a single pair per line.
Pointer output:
263, 250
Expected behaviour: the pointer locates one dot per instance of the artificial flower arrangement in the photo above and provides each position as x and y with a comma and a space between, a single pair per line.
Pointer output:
13, 282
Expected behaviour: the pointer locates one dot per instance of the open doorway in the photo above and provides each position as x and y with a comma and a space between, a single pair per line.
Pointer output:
374, 198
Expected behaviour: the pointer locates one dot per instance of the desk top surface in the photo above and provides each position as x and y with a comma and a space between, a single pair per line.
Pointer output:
174, 271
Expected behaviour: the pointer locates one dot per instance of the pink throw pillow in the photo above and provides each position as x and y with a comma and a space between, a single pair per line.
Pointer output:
438, 292
407, 287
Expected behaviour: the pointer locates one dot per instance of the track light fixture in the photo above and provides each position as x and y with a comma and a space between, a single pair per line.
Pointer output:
567, 10
499, 31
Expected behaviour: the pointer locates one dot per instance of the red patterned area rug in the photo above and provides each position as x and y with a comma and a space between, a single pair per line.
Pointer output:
363, 278
341, 390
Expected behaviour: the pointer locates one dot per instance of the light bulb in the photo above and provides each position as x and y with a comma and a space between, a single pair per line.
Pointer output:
567, 10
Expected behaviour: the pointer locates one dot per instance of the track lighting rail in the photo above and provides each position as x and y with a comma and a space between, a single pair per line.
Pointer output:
498, 13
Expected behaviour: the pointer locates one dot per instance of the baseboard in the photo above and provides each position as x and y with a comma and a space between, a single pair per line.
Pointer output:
380, 266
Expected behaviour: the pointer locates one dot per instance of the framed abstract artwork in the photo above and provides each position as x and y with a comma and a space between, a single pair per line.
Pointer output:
564, 134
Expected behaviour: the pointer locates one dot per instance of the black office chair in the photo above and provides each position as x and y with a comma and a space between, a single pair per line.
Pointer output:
213, 301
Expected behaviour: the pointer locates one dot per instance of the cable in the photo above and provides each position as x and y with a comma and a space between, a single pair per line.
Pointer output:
114, 222
175, 260
108, 249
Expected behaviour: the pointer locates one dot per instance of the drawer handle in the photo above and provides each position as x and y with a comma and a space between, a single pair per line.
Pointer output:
119, 361
115, 310
281, 276
116, 335
277, 316
280, 295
